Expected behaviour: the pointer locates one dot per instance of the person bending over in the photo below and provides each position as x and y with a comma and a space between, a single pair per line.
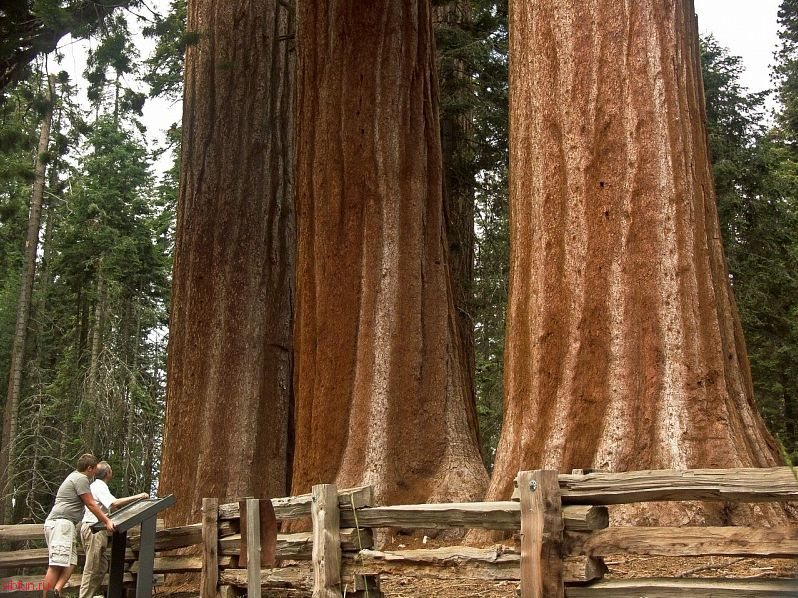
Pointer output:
73, 496
95, 544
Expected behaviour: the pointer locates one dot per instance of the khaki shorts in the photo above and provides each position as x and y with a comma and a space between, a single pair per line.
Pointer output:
62, 542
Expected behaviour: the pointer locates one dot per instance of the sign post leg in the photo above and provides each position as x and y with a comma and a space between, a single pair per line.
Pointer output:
146, 559
118, 545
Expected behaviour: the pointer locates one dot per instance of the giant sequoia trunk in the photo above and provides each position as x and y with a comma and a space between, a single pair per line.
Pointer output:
624, 349
380, 392
229, 364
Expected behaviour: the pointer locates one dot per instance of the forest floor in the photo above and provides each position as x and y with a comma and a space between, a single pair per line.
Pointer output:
620, 566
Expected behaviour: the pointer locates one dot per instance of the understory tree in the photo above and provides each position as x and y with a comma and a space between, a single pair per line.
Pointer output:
92, 370
755, 176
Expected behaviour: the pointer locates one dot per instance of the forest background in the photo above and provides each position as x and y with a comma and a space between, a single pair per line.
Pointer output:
92, 373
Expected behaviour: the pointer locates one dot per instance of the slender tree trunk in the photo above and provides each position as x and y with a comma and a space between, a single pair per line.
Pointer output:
624, 349
130, 408
94, 411
380, 389
230, 346
23, 312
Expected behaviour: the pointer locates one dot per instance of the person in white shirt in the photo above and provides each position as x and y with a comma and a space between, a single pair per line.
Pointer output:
95, 544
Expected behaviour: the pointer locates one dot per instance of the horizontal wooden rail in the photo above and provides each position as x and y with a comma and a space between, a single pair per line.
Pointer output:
670, 588
22, 532
295, 507
489, 515
37, 557
299, 546
733, 485
182, 564
688, 541
465, 562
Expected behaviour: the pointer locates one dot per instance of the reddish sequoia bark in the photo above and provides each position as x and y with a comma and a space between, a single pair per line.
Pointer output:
229, 369
380, 395
624, 349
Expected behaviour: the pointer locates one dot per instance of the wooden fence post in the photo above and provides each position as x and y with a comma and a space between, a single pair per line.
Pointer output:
541, 535
326, 542
210, 547
253, 548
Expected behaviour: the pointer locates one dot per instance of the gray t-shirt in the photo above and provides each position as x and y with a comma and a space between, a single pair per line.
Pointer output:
68, 504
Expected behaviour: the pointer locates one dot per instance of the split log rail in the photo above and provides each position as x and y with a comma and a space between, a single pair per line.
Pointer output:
562, 521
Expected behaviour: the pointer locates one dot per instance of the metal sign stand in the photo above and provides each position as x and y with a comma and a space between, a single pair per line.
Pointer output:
142, 512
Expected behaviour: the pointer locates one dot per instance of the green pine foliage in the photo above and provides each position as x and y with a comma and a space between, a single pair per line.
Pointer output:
94, 370
755, 178
164, 68
471, 40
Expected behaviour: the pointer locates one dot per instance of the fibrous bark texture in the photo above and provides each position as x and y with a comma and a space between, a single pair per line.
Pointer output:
229, 365
624, 349
380, 392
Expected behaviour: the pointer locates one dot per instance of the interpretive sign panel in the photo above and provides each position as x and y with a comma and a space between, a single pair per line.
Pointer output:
142, 512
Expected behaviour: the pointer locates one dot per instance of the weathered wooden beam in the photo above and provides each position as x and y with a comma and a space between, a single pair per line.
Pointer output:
298, 578
182, 564
541, 535
253, 546
679, 588
299, 546
36, 557
687, 541
21, 532
463, 562
31, 557
325, 512
173, 537
283, 577
184, 535
489, 515
733, 485
209, 578
294, 507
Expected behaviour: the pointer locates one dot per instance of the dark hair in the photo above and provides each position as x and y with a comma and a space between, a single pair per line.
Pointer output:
103, 470
85, 461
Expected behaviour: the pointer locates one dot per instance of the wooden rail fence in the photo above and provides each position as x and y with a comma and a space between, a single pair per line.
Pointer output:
562, 521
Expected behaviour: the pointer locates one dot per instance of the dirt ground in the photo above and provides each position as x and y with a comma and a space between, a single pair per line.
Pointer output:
621, 567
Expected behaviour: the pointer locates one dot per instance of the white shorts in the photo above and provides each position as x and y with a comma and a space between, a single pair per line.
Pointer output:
62, 542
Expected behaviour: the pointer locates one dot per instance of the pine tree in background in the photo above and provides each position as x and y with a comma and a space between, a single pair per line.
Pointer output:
93, 374
471, 45
8, 471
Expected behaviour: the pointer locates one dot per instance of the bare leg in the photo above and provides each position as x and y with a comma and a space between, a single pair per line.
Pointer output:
66, 572
51, 578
